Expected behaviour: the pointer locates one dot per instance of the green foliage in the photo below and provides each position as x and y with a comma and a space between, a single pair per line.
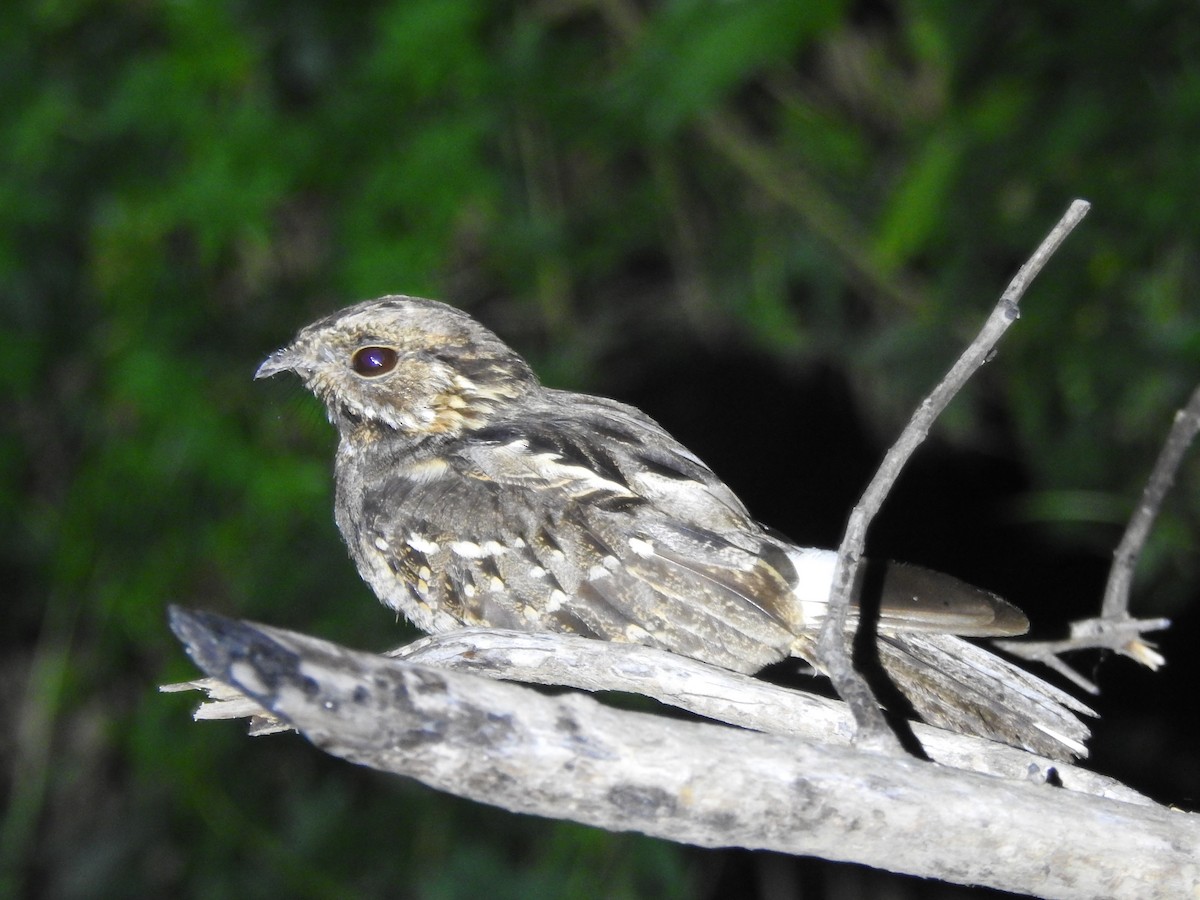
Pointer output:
183, 184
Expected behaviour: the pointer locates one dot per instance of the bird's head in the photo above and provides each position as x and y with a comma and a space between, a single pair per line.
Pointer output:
406, 365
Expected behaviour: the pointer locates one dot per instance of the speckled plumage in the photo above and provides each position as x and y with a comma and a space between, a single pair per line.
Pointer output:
469, 494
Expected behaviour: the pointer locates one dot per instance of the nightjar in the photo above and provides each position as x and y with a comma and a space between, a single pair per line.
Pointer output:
469, 494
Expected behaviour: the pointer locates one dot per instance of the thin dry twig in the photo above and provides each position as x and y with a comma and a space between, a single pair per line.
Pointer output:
1124, 635
836, 635
1179, 439
1114, 629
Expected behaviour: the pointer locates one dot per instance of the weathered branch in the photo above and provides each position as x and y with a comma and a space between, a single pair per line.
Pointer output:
569, 756
708, 691
836, 634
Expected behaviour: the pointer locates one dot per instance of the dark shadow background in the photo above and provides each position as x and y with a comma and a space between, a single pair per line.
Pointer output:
771, 225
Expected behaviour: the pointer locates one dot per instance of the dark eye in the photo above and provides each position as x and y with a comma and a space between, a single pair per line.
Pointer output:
372, 361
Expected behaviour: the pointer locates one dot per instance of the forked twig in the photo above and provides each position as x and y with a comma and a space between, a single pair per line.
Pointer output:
1114, 628
1175, 447
873, 731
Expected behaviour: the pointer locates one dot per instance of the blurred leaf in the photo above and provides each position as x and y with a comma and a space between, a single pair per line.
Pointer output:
914, 212
694, 53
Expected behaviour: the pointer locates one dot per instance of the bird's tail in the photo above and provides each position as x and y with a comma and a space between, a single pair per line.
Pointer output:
957, 685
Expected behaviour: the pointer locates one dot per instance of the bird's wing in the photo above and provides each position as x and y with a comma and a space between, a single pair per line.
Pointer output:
597, 528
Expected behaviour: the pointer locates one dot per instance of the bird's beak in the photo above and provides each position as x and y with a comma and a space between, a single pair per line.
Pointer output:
286, 359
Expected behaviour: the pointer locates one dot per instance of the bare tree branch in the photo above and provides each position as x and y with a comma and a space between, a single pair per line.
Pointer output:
717, 694
569, 756
836, 634
1114, 628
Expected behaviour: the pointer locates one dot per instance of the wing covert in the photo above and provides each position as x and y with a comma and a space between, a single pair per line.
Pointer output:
538, 525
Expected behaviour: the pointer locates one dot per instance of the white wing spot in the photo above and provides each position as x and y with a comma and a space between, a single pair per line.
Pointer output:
381, 544
471, 550
557, 599
604, 568
551, 468
642, 548
581, 478
421, 545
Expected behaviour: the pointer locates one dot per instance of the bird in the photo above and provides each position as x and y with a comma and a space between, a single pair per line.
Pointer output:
469, 494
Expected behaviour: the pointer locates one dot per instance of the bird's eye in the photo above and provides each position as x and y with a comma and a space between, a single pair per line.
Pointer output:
372, 361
